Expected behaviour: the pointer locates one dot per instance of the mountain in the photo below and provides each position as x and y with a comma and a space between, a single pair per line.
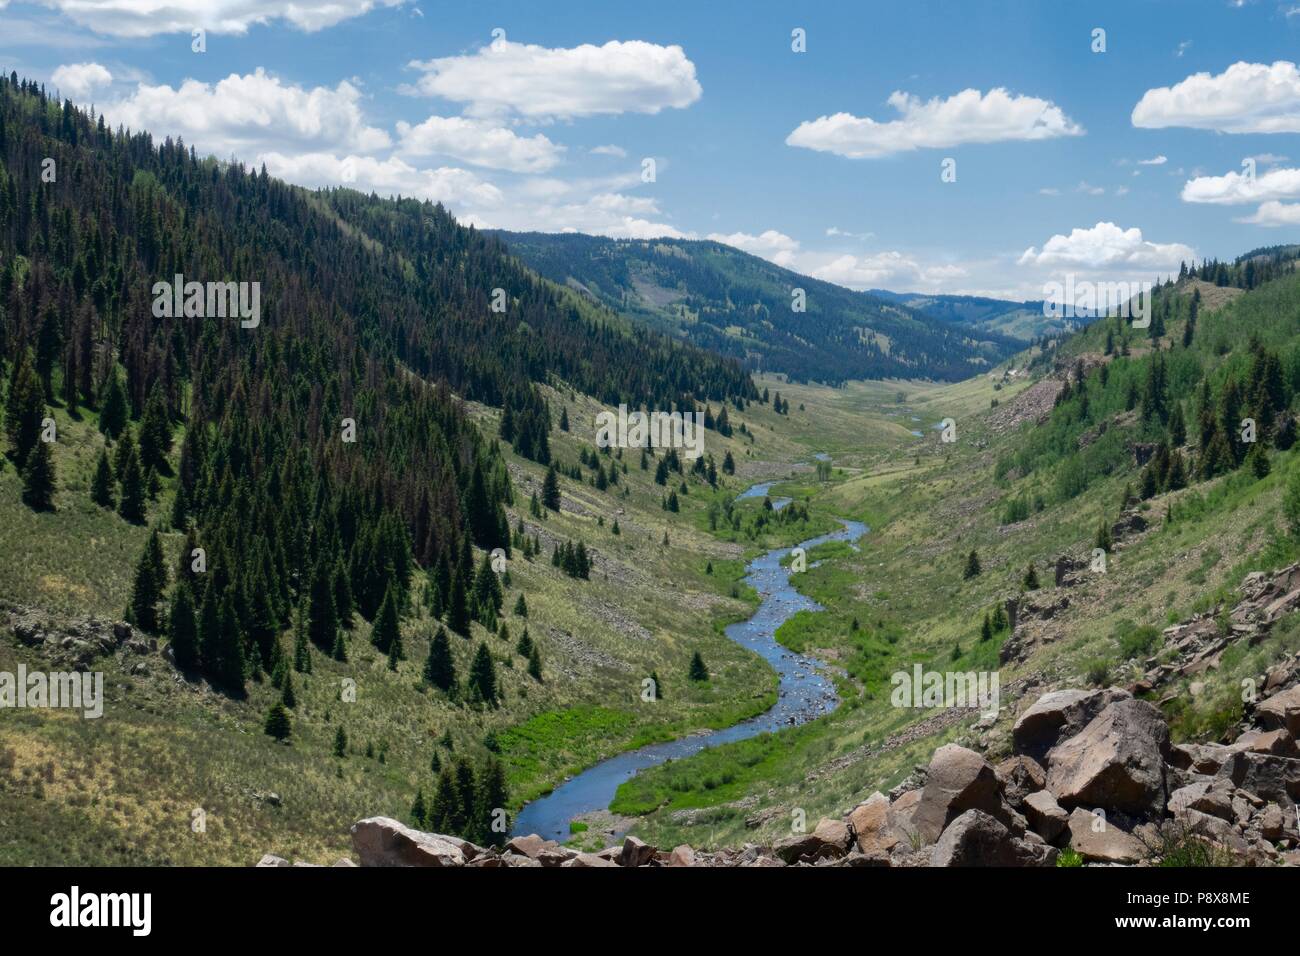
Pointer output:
740, 305
1017, 320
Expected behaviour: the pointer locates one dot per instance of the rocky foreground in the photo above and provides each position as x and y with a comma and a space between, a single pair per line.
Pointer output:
1093, 777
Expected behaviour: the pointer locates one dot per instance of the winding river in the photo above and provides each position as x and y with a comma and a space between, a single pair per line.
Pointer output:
804, 693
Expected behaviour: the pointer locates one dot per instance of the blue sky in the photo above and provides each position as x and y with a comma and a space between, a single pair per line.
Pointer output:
1107, 165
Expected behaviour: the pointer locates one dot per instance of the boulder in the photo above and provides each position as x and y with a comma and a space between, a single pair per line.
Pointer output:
1117, 761
635, 852
682, 856
1279, 742
871, 829
1266, 775
829, 840
1098, 840
1020, 776
1213, 797
1282, 710
587, 861
1272, 822
382, 841
271, 859
528, 846
976, 838
1058, 716
1046, 818
958, 780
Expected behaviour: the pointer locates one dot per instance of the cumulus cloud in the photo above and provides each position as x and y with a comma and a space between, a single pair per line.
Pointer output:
77, 80
1234, 188
251, 113
966, 117
1274, 213
539, 83
770, 244
480, 143
609, 150
386, 177
1106, 246
616, 215
143, 18
1154, 161
1244, 98
892, 270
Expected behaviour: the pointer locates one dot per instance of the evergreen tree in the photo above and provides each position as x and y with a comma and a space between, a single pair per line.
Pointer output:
323, 622
148, 586
39, 479
101, 487
492, 801
521, 606
524, 648
386, 634
113, 415
551, 490
24, 410
972, 566
1031, 578
131, 506
340, 742
182, 628
458, 608
440, 668
698, 672
287, 695
483, 677
419, 814
535, 663
277, 722
445, 808
986, 629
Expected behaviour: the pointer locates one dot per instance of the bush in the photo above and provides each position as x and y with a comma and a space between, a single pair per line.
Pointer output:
1138, 641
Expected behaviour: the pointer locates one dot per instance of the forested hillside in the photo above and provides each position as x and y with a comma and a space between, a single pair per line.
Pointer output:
737, 304
324, 454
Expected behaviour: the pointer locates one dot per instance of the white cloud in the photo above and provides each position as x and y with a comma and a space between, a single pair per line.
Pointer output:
1049, 191
538, 83
1244, 98
886, 270
143, 18
771, 245
562, 207
1234, 188
480, 143
1154, 161
1274, 213
1091, 190
1106, 246
77, 80
609, 150
387, 177
251, 113
836, 231
966, 117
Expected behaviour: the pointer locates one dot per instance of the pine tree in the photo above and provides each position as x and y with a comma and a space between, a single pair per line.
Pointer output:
458, 608
301, 643
440, 668
39, 479
466, 820
551, 490
535, 663
492, 801
113, 415
419, 815
1103, 539
445, 807
698, 672
277, 722
323, 622
148, 586
1031, 578
387, 630
340, 742
524, 648
287, 695
182, 628
24, 410
986, 629
972, 568
483, 677
101, 488
131, 506
521, 606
